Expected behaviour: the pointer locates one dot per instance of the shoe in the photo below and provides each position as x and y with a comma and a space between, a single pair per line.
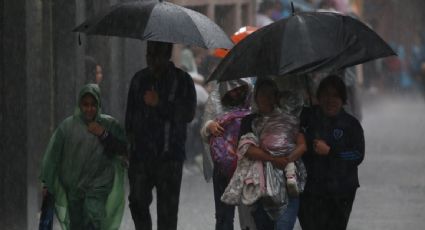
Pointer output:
292, 186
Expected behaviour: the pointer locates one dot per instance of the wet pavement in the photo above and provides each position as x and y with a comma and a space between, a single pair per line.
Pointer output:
392, 177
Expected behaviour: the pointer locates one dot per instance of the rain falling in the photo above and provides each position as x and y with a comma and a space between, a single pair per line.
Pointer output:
178, 81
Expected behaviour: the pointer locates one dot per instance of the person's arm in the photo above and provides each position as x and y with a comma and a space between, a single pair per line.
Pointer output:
182, 109
211, 109
205, 133
130, 110
211, 128
258, 154
300, 148
113, 145
353, 152
253, 152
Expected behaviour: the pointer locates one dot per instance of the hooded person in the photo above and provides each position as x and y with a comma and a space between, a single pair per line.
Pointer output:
218, 104
227, 104
82, 167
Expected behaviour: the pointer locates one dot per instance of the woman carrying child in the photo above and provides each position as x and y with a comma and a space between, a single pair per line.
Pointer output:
269, 145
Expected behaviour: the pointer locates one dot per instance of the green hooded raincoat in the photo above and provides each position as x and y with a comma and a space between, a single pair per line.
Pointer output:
75, 168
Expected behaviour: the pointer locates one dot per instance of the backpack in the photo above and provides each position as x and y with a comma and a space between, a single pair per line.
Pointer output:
223, 148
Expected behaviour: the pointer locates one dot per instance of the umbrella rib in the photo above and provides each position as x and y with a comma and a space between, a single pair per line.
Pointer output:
196, 26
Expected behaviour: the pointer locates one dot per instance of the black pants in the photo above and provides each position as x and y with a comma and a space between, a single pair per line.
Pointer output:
261, 218
325, 212
224, 213
166, 177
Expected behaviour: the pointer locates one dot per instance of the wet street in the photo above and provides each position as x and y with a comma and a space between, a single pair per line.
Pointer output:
392, 177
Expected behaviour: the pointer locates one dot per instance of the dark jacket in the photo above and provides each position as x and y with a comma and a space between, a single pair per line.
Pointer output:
160, 132
246, 124
336, 173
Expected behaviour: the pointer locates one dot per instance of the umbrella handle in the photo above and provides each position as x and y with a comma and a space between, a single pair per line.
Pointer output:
307, 86
292, 8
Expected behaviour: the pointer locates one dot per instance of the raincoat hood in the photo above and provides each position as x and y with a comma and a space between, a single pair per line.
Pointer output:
213, 106
226, 86
94, 90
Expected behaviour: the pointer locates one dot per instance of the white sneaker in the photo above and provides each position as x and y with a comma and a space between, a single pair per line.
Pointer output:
292, 185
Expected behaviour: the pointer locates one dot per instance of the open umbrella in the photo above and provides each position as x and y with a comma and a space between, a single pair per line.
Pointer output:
157, 21
303, 43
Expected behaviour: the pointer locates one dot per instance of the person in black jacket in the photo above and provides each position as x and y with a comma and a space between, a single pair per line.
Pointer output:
161, 102
335, 148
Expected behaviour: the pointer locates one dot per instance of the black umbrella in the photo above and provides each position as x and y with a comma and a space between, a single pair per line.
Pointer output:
303, 43
157, 21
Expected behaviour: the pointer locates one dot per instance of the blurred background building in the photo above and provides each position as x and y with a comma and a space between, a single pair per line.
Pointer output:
228, 14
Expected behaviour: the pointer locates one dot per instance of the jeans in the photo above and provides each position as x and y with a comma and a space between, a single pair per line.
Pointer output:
286, 220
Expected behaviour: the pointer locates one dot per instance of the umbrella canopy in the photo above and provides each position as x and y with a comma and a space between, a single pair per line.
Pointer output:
157, 21
303, 43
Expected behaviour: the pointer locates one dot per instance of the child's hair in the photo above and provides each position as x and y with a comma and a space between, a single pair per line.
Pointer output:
335, 82
270, 85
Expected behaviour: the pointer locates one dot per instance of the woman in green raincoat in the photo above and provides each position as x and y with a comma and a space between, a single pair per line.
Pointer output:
82, 167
